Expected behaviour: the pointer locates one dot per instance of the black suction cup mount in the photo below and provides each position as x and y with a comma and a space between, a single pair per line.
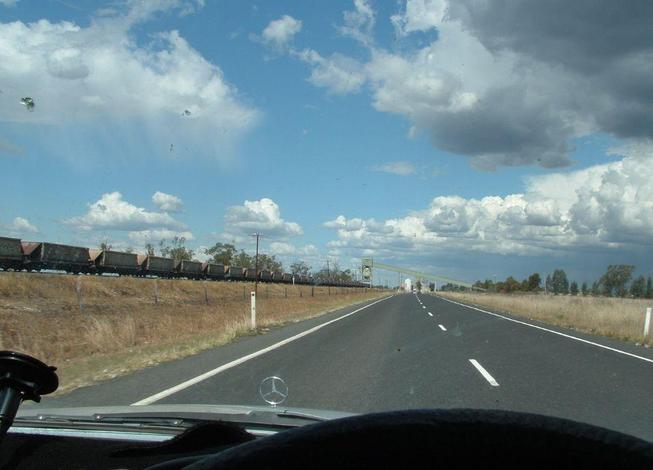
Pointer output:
22, 377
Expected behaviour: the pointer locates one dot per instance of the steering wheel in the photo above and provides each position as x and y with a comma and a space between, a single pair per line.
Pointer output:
440, 439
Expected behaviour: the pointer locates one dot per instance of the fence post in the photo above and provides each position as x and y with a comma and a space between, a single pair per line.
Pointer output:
244, 293
253, 309
329, 290
206, 294
285, 292
647, 321
156, 292
312, 291
78, 290
301, 294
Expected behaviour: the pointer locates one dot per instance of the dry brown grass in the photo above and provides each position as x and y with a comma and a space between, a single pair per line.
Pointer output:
618, 318
122, 324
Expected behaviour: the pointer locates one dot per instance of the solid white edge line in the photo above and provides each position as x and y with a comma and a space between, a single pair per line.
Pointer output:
484, 373
552, 331
430, 314
442, 327
195, 380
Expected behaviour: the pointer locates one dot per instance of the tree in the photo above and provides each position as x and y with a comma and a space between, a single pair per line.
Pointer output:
268, 263
176, 250
222, 253
583, 289
534, 281
418, 286
299, 268
560, 282
243, 260
649, 288
573, 288
549, 283
596, 289
638, 287
149, 248
616, 277
431, 286
511, 285
105, 246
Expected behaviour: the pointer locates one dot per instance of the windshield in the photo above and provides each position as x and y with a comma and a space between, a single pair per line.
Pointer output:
353, 206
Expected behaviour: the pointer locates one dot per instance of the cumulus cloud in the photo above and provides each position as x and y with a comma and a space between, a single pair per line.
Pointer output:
603, 207
262, 216
505, 83
20, 226
420, 15
8, 3
279, 33
400, 168
167, 202
285, 249
142, 237
99, 78
111, 212
358, 23
339, 74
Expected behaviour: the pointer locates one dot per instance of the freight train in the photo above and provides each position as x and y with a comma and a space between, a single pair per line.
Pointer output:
18, 255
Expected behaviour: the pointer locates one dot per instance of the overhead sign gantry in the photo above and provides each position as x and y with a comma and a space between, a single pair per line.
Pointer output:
368, 264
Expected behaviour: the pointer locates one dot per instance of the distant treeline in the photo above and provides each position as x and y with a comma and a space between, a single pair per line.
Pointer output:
617, 281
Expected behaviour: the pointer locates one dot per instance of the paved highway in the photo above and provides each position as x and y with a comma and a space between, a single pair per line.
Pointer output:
410, 351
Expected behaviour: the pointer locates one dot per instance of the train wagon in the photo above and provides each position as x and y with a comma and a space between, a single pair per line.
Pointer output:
234, 273
265, 275
11, 253
189, 269
277, 276
156, 265
42, 255
250, 274
108, 261
286, 277
213, 271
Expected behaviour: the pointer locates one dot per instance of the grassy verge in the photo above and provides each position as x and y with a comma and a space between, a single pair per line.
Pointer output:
94, 328
612, 317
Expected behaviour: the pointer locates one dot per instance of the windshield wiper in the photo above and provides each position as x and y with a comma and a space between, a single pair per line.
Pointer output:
109, 419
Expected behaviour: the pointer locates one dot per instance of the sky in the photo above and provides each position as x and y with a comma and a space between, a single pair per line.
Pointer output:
472, 139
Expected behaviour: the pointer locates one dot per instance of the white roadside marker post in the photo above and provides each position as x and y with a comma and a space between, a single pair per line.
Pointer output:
253, 309
647, 321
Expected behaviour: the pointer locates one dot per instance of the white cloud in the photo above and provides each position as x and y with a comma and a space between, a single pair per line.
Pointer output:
21, 225
111, 212
400, 168
420, 15
167, 202
280, 32
8, 3
504, 83
602, 207
287, 249
142, 237
339, 74
358, 23
262, 216
98, 78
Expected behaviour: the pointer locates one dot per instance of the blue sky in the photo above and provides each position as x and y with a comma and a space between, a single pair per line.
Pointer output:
367, 111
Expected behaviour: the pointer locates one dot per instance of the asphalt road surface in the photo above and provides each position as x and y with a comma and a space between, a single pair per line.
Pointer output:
409, 351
